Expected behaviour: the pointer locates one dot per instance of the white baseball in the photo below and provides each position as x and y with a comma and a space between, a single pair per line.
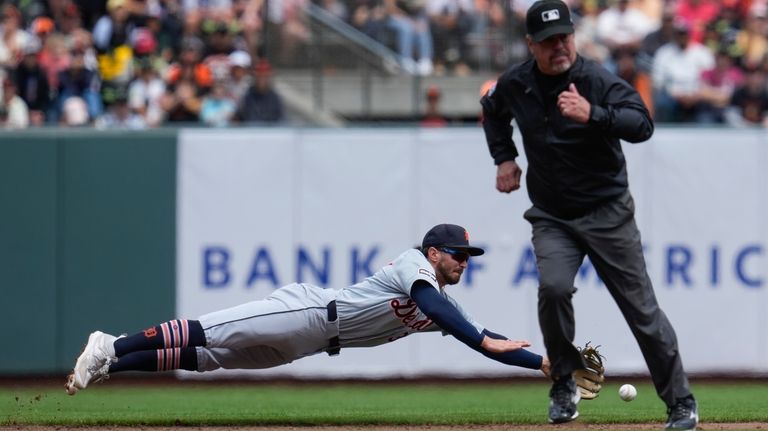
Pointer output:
627, 392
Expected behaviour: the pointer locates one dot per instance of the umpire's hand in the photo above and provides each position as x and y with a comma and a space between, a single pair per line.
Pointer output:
508, 176
572, 105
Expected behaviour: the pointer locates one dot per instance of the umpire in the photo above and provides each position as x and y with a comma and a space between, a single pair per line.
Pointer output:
572, 113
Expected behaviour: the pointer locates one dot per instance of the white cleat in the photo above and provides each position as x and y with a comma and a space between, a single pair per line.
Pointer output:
93, 364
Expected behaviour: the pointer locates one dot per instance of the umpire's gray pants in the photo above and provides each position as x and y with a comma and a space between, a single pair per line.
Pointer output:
609, 236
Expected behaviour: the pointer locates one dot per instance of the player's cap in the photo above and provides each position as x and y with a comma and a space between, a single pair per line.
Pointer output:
450, 236
547, 18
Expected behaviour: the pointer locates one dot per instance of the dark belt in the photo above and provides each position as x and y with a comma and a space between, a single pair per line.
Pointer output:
333, 343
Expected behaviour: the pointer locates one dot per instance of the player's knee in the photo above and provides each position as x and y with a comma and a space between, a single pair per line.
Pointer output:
553, 288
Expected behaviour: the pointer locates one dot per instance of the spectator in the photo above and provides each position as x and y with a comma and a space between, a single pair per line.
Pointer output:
450, 23
217, 109
31, 9
190, 67
81, 40
33, 85
220, 45
677, 69
718, 85
411, 26
181, 103
54, 59
261, 104
144, 43
74, 113
120, 116
656, 39
752, 40
68, 17
724, 30
42, 27
433, 116
749, 103
697, 14
586, 37
166, 24
370, 18
239, 75
13, 38
492, 46
112, 36
78, 81
622, 27
145, 94
13, 110
628, 70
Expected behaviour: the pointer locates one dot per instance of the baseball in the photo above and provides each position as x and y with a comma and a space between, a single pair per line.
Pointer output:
627, 392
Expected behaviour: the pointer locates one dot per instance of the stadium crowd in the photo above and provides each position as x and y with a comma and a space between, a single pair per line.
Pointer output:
147, 63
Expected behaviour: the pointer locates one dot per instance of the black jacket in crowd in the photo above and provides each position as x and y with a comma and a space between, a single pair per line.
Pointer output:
572, 167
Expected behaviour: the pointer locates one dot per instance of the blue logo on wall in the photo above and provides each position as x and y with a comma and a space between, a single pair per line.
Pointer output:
681, 266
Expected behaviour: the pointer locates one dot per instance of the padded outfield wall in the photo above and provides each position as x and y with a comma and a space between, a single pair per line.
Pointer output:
117, 231
87, 231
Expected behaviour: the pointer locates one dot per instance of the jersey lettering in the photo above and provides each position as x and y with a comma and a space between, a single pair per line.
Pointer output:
408, 313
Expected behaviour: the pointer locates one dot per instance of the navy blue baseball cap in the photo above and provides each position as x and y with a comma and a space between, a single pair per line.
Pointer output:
547, 18
450, 236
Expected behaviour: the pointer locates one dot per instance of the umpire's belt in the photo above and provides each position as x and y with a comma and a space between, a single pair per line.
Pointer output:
333, 343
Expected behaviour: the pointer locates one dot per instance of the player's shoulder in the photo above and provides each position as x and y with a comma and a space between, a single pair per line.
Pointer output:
411, 256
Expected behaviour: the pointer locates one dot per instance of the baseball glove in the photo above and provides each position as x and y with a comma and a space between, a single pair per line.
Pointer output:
590, 379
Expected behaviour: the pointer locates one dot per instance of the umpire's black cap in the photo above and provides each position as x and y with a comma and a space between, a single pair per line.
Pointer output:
547, 18
450, 236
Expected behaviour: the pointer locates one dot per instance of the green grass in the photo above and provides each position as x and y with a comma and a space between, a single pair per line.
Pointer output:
259, 403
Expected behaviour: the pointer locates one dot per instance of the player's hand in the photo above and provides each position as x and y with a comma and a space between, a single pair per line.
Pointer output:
572, 105
494, 345
508, 176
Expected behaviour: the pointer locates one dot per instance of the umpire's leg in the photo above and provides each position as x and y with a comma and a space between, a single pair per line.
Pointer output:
615, 249
558, 258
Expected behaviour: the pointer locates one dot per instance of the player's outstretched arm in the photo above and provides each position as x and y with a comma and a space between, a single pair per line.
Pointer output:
520, 358
500, 346
450, 320
444, 314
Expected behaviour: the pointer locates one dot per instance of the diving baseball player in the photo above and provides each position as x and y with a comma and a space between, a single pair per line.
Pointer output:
299, 320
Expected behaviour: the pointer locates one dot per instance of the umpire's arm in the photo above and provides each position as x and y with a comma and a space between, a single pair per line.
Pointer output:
621, 112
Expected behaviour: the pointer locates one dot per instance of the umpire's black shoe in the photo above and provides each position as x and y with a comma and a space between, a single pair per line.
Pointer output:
684, 415
563, 398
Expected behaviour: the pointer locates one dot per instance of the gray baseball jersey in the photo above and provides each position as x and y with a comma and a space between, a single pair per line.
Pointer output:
294, 321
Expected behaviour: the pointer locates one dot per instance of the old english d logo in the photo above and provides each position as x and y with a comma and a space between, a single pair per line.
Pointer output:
466, 235
550, 15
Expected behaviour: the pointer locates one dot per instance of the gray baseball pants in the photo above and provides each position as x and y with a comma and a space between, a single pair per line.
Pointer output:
295, 321
611, 239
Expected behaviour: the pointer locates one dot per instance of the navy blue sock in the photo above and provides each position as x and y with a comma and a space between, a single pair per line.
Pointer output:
157, 360
168, 335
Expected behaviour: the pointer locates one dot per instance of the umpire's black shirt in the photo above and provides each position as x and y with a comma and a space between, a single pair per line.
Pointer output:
572, 167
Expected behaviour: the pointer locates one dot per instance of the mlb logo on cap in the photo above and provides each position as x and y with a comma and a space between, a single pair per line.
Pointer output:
550, 15
547, 18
